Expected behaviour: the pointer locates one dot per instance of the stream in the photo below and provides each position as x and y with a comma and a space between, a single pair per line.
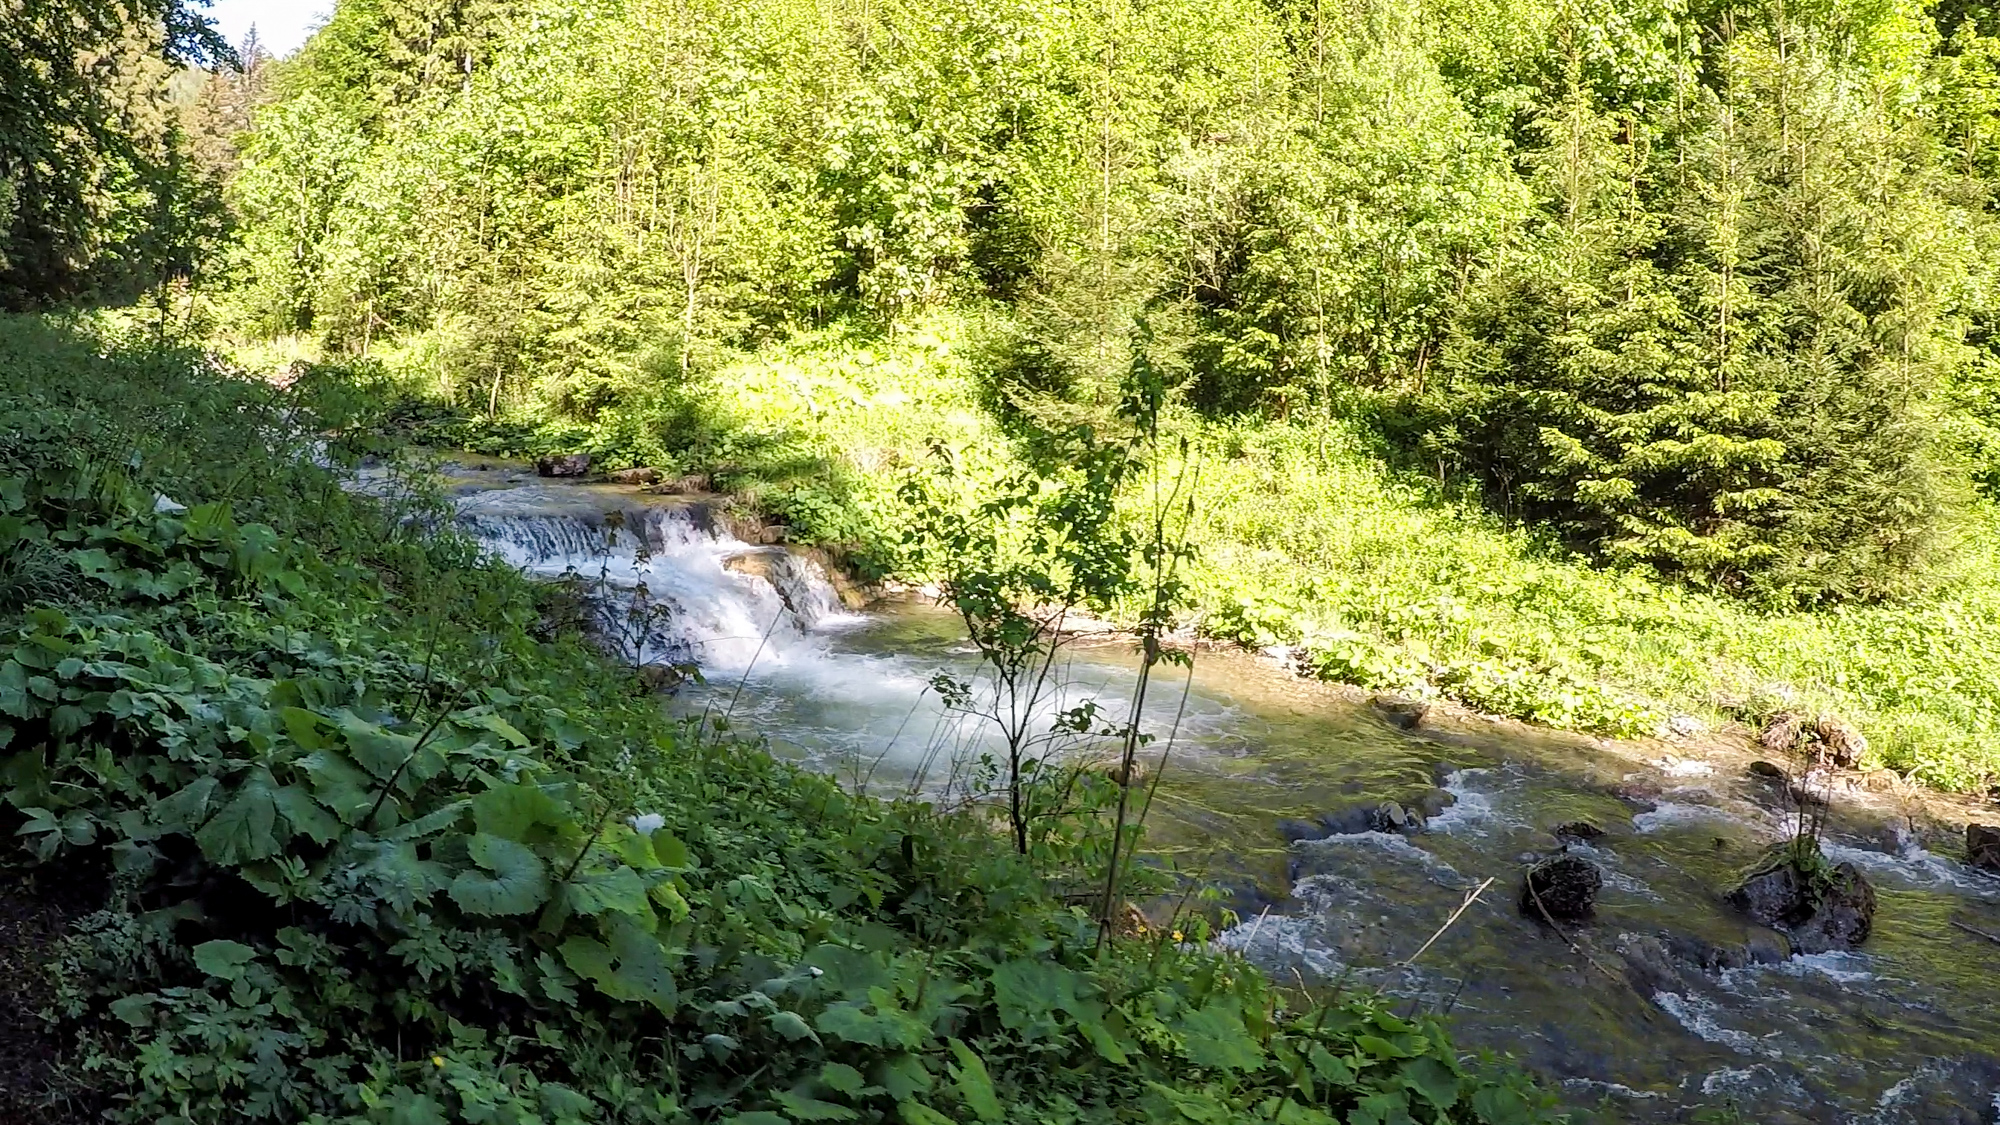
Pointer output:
1666, 1008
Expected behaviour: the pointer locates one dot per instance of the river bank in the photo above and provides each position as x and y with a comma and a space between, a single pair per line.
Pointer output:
1667, 1004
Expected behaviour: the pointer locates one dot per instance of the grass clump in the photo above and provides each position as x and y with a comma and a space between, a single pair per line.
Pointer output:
367, 847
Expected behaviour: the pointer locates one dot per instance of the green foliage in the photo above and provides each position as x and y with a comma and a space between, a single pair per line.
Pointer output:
371, 852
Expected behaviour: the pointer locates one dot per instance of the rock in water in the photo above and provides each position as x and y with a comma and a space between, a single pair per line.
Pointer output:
1782, 732
1772, 770
1405, 713
1982, 846
1581, 831
1565, 888
563, 465
639, 475
1835, 910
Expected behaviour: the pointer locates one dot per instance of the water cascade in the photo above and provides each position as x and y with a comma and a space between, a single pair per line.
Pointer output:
1667, 1005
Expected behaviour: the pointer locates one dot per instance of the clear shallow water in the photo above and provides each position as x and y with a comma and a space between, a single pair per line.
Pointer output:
1640, 1021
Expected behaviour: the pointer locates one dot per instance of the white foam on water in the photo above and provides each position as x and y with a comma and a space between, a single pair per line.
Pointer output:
1278, 941
1389, 844
1471, 808
1674, 814
1914, 866
1682, 767
1697, 1014
1841, 967
1752, 1080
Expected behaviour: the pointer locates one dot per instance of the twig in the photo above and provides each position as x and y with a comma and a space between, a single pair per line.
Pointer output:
1462, 908
1995, 939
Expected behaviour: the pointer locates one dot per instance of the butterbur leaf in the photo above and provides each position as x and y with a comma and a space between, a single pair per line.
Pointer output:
223, 960
503, 728
1390, 1107
1330, 1068
187, 807
303, 726
1214, 1037
339, 784
633, 966
1497, 1105
793, 1026
517, 884
511, 810
245, 828
975, 1085
305, 815
1433, 1081
757, 1117
620, 889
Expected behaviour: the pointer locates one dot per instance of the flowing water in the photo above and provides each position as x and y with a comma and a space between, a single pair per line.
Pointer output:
1667, 1007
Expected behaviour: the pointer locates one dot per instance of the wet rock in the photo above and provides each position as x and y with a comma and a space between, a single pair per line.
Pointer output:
1407, 714
1296, 830
773, 534
1772, 770
563, 465
1841, 745
1782, 732
1982, 847
641, 475
1348, 821
1818, 912
1649, 965
1563, 888
1435, 801
1392, 817
662, 677
1581, 831
1880, 781
756, 564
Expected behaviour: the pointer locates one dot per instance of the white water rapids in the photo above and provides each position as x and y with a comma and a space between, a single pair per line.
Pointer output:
1905, 1031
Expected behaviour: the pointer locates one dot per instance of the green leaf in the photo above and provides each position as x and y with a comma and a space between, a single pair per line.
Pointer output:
503, 728
1214, 1037
756, 1117
1497, 1105
838, 1077
511, 810
793, 1026
1390, 1107
304, 814
917, 1113
223, 960
633, 966
519, 882
975, 1085
244, 830
620, 890
801, 1108
1433, 1081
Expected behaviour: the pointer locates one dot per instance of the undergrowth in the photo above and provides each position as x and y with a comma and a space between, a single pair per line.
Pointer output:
1308, 539
374, 845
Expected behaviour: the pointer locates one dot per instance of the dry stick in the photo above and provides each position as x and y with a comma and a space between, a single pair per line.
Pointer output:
1573, 946
1462, 907
1995, 939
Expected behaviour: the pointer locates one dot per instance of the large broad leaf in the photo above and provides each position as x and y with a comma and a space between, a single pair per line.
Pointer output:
515, 881
975, 1085
223, 960
1214, 1037
339, 784
511, 810
305, 815
245, 828
632, 966
619, 890
1029, 992
378, 751
800, 1107
1432, 1079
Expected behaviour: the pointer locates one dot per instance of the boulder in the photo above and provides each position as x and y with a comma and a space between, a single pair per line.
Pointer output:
1982, 846
640, 475
1562, 889
1841, 745
662, 677
1822, 912
1581, 831
1772, 770
563, 465
1406, 714
1782, 732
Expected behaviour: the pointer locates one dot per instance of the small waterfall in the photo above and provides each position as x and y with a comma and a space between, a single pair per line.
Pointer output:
673, 586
